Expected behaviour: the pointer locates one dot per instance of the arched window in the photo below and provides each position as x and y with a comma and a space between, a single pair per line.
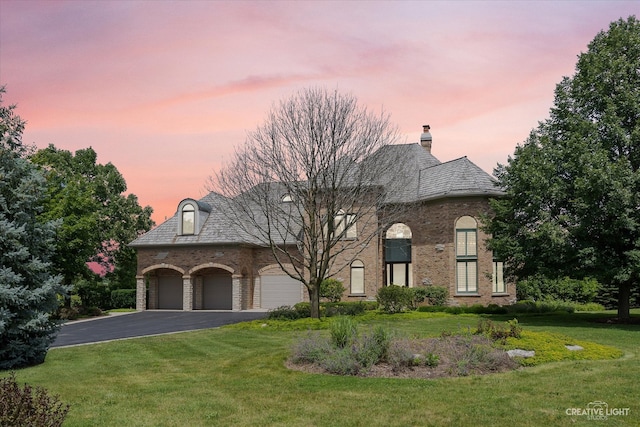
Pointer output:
397, 255
357, 277
188, 219
466, 255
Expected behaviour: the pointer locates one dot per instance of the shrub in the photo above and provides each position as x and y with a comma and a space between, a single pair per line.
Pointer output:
303, 309
394, 299
546, 306
538, 288
347, 308
400, 354
331, 289
311, 349
341, 362
498, 332
28, 406
93, 293
123, 298
345, 352
284, 312
436, 295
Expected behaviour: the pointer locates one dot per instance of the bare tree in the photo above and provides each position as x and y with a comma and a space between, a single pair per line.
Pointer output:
307, 178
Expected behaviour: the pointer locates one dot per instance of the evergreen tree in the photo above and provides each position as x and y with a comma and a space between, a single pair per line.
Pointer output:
28, 289
573, 189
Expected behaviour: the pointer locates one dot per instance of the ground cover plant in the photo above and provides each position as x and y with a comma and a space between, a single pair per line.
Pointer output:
349, 350
237, 376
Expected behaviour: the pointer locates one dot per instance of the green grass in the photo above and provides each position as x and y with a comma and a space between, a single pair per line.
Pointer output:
236, 376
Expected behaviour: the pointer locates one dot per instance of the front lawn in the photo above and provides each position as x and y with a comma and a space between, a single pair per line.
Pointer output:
237, 376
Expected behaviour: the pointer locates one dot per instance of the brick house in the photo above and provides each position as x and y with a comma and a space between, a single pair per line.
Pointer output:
198, 260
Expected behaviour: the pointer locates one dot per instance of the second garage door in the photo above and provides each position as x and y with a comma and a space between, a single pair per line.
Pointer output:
279, 290
217, 292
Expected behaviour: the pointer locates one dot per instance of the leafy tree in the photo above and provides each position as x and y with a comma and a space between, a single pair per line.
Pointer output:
98, 220
306, 177
28, 288
573, 188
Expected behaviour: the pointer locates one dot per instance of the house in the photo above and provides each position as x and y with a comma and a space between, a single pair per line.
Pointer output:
200, 260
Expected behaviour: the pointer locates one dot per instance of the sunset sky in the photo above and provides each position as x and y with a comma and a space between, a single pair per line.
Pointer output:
165, 89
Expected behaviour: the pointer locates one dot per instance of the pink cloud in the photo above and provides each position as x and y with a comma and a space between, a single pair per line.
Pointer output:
164, 90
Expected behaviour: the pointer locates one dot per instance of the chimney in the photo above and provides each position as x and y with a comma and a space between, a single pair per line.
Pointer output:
425, 138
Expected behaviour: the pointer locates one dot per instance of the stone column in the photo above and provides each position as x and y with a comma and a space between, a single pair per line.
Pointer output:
187, 294
153, 293
198, 292
256, 292
236, 293
141, 294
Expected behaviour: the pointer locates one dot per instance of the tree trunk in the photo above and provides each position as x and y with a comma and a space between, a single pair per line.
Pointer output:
314, 298
624, 294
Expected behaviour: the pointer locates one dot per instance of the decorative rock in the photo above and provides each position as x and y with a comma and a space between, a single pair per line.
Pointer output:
521, 353
574, 347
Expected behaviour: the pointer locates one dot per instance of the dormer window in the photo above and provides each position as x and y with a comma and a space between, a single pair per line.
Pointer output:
188, 219
287, 198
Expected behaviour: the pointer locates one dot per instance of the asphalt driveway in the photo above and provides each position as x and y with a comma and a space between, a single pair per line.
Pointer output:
145, 323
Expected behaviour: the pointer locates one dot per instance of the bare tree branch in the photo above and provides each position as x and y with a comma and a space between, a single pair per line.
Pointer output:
311, 182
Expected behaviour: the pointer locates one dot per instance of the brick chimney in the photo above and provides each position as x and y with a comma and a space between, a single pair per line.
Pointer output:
425, 138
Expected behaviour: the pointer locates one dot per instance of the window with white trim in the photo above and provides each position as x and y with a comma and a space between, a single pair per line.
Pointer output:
466, 255
357, 277
343, 220
499, 286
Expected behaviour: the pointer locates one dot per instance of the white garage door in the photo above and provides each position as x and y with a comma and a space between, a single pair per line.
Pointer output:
217, 292
170, 292
280, 290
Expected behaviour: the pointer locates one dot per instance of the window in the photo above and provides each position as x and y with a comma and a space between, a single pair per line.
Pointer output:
397, 255
357, 277
188, 219
466, 255
343, 220
498, 278
287, 198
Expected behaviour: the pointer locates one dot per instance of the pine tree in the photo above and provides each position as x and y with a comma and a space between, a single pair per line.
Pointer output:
28, 289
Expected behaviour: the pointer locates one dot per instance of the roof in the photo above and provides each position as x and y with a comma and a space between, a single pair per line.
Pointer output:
417, 174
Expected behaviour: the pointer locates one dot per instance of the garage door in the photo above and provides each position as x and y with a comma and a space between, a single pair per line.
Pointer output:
280, 290
217, 292
170, 292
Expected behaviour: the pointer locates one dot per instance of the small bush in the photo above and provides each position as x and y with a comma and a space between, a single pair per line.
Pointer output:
28, 406
498, 332
538, 288
332, 290
311, 349
346, 352
123, 298
284, 312
341, 362
436, 295
347, 308
394, 299
400, 355
68, 313
303, 309
343, 331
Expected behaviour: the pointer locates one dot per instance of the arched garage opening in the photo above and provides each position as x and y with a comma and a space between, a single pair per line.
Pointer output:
216, 291
168, 289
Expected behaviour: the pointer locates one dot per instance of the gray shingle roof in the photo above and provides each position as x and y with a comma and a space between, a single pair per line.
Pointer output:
424, 178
